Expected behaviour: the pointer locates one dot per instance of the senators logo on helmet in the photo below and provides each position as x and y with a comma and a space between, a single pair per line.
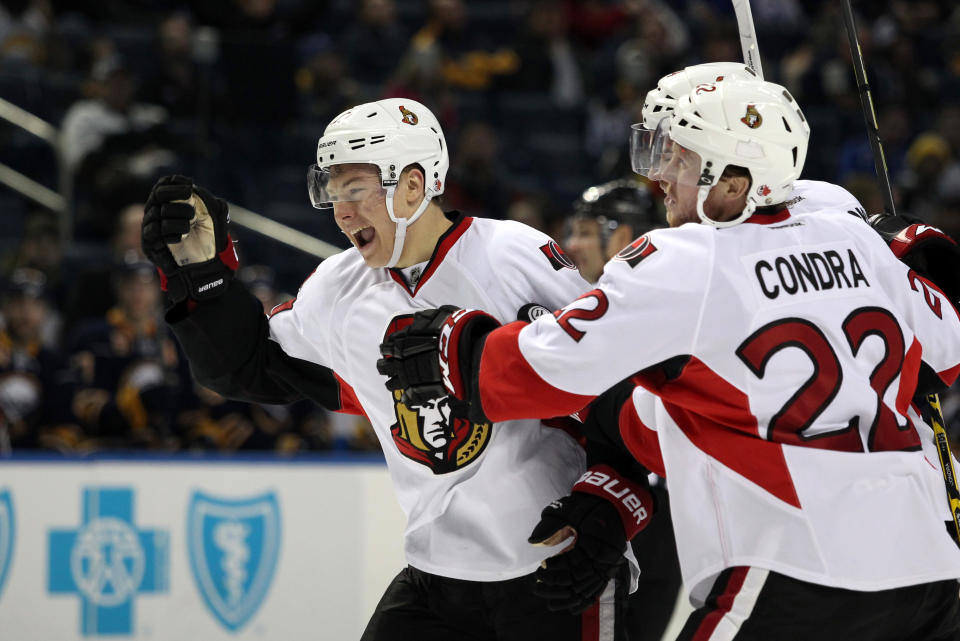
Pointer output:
752, 118
408, 116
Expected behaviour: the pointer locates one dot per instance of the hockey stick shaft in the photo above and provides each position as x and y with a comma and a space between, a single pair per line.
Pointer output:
883, 175
869, 114
748, 36
946, 464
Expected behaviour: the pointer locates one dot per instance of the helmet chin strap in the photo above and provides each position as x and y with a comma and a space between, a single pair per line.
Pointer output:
402, 224
702, 194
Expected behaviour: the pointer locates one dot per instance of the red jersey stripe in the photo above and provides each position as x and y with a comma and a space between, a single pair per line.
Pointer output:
724, 603
349, 403
511, 389
716, 417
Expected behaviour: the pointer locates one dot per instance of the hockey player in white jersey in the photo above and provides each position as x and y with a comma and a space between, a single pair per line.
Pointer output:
782, 351
472, 491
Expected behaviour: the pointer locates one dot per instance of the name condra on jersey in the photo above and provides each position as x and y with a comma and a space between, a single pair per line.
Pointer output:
802, 272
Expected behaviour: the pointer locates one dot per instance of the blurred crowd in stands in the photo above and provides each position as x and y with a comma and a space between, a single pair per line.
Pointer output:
535, 97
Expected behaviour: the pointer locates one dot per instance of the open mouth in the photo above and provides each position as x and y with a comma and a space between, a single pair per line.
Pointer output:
363, 236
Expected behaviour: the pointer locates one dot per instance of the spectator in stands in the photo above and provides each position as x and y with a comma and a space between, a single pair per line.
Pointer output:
110, 112
928, 174
325, 83
173, 81
24, 28
476, 184
41, 250
548, 61
375, 22
128, 372
261, 281
33, 391
88, 297
110, 142
466, 57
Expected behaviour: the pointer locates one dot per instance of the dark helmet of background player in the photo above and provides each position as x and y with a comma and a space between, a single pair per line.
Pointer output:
616, 203
605, 219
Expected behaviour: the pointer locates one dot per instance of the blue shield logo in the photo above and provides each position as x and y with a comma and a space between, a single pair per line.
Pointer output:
234, 546
6, 535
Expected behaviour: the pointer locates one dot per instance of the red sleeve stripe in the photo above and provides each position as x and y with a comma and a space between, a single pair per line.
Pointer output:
909, 372
640, 440
949, 376
282, 307
511, 389
349, 403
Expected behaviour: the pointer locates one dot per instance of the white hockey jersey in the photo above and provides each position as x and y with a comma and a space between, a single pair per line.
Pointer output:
472, 493
783, 353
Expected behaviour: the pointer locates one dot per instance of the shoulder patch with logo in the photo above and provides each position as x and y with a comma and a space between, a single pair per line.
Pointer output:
636, 251
558, 260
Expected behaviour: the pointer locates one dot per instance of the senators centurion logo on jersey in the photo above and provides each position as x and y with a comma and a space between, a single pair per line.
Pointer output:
636, 251
556, 256
435, 433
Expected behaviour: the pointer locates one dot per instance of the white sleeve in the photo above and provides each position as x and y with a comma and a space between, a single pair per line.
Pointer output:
646, 309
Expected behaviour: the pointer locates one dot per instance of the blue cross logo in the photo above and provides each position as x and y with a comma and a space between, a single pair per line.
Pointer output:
108, 561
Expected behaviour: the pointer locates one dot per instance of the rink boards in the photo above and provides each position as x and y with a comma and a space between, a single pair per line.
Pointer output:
194, 548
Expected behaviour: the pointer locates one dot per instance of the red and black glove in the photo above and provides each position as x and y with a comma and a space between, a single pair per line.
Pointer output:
437, 354
603, 511
926, 249
185, 234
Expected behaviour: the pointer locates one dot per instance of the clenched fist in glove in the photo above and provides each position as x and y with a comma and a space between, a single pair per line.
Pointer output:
603, 511
185, 235
436, 354
924, 248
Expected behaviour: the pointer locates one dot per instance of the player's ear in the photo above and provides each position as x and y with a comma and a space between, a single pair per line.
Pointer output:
735, 187
413, 184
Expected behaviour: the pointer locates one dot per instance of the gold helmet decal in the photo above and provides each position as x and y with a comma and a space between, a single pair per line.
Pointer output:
408, 116
752, 118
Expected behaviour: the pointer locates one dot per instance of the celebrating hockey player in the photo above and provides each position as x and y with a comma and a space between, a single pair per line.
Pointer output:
659, 103
472, 491
781, 351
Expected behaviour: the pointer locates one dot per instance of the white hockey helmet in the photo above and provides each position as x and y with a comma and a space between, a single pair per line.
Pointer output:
390, 134
749, 123
660, 102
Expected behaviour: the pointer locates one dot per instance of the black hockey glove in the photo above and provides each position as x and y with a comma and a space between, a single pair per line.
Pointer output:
603, 511
185, 235
436, 354
925, 249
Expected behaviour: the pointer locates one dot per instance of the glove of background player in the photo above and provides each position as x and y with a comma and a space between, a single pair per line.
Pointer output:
926, 249
435, 354
603, 511
185, 235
